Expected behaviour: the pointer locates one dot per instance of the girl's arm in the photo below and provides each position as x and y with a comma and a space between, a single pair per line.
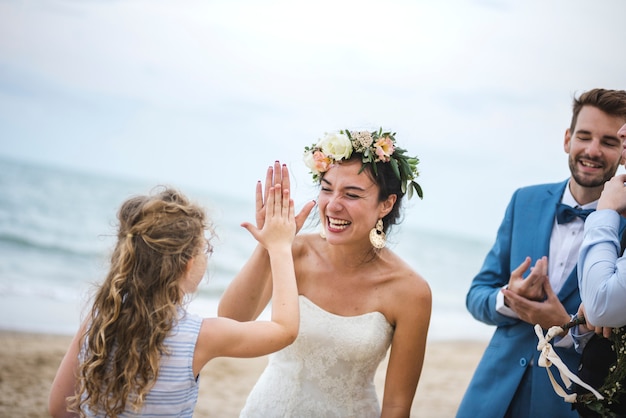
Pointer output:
64, 384
251, 289
224, 337
249, 292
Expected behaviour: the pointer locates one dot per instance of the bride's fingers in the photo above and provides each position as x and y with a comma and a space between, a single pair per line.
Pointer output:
277, 174
259, 196
260, 208
269, 182
285, 178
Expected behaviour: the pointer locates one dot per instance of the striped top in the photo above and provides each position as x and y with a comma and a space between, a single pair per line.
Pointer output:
175, 392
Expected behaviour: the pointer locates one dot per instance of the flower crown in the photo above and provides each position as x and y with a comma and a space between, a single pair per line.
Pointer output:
375, 147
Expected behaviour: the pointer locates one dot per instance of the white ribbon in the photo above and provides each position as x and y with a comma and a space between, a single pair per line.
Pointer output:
549, 357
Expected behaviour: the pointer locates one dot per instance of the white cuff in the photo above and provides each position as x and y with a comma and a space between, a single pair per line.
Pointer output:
501, 308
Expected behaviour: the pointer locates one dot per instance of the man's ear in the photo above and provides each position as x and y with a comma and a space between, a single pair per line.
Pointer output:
567, 141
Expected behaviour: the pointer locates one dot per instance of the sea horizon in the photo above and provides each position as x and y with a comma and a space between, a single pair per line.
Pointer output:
57, 228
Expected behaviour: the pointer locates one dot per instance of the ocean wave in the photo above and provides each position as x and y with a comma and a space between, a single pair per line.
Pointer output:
58, 247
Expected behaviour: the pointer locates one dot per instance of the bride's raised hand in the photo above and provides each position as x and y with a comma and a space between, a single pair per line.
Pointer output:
277, 174
261, 197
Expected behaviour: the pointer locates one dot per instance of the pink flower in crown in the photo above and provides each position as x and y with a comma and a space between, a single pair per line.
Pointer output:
384, 149
321, 162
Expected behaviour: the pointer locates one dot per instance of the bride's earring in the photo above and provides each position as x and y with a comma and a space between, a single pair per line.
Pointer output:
323, 232
377, 235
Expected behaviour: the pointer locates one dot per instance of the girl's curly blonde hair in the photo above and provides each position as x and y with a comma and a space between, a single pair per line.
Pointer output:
137, 305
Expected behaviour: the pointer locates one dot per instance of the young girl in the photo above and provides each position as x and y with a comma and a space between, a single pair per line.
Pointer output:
139, 353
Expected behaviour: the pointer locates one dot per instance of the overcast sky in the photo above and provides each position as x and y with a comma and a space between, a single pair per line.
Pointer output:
206, 94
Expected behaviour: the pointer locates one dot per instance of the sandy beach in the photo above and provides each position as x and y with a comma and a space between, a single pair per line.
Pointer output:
28, 363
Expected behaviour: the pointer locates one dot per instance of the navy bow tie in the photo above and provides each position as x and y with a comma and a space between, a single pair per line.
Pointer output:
565, 213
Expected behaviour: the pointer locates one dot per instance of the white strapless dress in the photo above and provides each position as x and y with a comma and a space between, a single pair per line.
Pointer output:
327, 372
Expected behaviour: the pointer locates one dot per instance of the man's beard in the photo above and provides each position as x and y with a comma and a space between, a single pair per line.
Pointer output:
588, 182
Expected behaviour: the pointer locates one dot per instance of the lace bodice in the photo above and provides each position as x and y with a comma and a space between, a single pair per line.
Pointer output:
328, 371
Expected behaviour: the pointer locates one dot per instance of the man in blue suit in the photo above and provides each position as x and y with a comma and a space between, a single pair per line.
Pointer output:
513, 296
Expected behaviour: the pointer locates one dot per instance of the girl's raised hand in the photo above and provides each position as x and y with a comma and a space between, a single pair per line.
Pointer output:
277, 174
279, 225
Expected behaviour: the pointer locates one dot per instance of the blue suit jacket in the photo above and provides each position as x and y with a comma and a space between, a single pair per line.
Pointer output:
525, 231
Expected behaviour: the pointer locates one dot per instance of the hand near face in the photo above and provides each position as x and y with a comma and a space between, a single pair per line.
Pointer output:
614, 195
530, 287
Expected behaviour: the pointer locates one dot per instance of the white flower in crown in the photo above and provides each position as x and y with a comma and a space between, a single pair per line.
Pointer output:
333, 147
336, 146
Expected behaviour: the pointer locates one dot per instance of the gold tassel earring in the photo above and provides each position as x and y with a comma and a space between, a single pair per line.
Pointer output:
377, 235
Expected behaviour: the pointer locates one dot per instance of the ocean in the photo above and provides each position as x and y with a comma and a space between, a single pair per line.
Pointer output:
57, 229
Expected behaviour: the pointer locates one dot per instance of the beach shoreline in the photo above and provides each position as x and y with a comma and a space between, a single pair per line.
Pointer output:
28, 363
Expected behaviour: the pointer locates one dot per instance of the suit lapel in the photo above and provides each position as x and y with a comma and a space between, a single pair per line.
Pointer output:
544, 218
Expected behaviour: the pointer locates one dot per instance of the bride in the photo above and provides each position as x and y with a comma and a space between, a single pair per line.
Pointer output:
357, 298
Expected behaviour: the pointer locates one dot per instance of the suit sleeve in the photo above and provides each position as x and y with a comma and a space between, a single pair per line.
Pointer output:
494, 274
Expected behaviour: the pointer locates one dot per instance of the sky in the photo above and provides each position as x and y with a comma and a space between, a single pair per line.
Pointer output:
207, 94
